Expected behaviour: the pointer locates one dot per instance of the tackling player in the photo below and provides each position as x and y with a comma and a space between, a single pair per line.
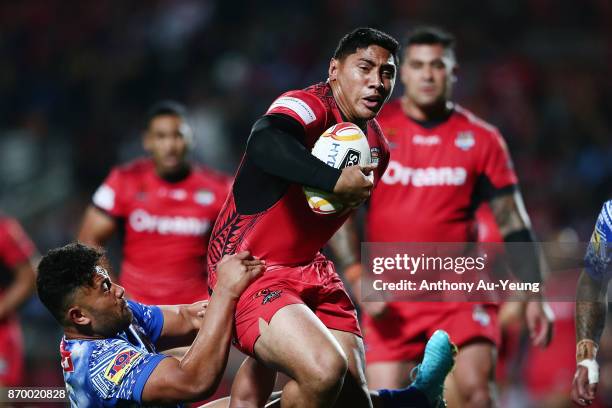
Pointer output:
168, 206
297, 317
17, 254
592, 307
109, 350
444, 161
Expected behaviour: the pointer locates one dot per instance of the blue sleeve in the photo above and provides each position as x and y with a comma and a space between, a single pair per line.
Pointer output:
599, 252
119, 371
150, 318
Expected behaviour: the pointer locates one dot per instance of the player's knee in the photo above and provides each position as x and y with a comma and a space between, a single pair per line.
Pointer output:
478, 397
327, 370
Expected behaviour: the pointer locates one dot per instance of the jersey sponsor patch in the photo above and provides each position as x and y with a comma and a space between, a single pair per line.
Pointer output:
121, 364
204, 197
104, 197
465, 140
481, 316
423, 140
424, 177
297, 106
268, 295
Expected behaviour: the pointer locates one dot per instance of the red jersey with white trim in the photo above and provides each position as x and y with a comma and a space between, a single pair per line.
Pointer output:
15, 249
167, 228
289, 232
436, 177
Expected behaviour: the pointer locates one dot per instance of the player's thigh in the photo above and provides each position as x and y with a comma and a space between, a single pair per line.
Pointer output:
298, 344
355, 389
474, 367
252, 384
389, 374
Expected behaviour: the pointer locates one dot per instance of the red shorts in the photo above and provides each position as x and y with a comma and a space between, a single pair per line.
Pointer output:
11, 353
316, 285
401, 334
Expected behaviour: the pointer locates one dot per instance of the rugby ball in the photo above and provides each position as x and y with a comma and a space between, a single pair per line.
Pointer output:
340, 146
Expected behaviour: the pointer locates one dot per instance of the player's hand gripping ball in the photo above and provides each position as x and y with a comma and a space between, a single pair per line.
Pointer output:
340, 146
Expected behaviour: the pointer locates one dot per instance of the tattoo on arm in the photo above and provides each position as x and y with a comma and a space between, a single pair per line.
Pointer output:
591, 308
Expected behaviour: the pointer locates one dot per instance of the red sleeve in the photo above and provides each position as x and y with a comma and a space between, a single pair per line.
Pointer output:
496, 163
15, 246
109, 196
302, 106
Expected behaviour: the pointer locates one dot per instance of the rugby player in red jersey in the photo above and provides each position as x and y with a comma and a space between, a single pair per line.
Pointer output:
168, 206
17, 257
297, 317
444, 161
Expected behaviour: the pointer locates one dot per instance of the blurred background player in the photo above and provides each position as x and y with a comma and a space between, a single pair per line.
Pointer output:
444, 162
592, 307
17, 278
109, 349
300, 302
165, 206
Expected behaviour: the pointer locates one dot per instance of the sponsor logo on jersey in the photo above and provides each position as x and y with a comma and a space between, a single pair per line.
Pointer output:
423, 140
204, 197
424, 177
268, 295
465, 140
375, 154
141, 221
120, 365
177, 194
481, 316
351, 158
295, 105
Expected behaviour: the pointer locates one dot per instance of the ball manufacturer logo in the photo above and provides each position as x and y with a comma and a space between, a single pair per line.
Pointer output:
351, 158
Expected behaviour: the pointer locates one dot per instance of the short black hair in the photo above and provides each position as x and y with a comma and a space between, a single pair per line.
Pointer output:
363, 37
61, 272
166, 107
430, 35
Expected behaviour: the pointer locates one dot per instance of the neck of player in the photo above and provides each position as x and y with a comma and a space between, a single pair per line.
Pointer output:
175, 175
436, 111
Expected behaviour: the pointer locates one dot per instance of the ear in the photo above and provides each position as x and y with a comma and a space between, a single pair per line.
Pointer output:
333, 69
76, 317
454, 73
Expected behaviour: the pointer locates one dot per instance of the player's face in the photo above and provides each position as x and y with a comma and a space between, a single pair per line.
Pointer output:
363, 81
167, 140
427, 73
106, 306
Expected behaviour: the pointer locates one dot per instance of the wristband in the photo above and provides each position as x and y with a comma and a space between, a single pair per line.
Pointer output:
592, 370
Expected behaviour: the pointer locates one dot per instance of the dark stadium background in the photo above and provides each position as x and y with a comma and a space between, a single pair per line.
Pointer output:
77, 76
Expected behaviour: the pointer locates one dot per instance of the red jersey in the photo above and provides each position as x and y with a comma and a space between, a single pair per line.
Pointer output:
436, 177
289, 232
167, 227
15, 248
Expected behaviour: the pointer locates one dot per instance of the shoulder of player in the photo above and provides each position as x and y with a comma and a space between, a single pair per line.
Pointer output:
474, 122
310, 104
605, 220
209, 177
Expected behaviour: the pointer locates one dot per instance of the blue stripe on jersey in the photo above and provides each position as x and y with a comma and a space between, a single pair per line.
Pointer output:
598, 259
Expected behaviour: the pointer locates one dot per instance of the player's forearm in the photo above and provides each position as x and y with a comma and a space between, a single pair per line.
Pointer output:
525, 256
591, 308
345, 245
206, 358
274, 147
20, 290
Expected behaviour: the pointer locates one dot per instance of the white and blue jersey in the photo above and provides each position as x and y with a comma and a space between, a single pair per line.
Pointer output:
112, 372
599, 252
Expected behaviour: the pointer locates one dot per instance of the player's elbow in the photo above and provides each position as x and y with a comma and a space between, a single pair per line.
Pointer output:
201, 388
